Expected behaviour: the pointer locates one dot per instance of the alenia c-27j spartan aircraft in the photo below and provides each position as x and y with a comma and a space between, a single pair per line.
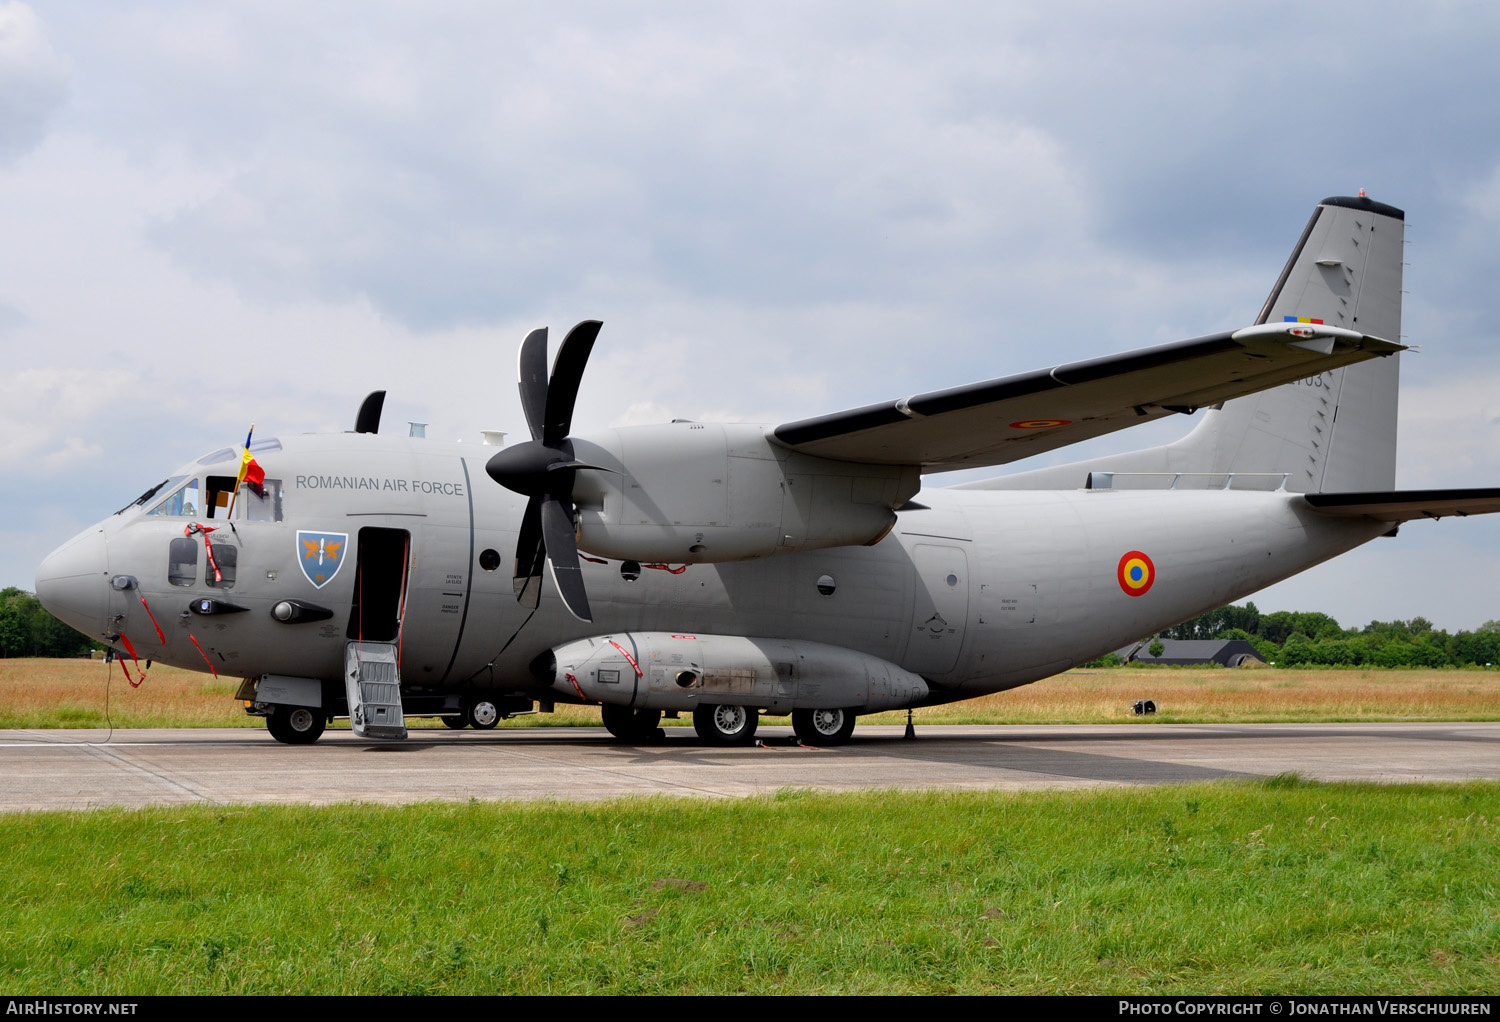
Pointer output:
366, 578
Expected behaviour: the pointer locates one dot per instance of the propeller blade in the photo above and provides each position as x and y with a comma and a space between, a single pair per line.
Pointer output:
532, 373
368, 419
567, 374
530, 556
562, 557
579, 466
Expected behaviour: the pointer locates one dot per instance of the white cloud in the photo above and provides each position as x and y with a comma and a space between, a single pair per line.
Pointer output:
1450, 431
264, 210
40, 410
33, 80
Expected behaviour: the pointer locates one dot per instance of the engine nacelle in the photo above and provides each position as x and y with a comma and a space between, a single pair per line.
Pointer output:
662, 671
704, 492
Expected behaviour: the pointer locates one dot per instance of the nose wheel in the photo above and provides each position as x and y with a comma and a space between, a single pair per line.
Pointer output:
296, 725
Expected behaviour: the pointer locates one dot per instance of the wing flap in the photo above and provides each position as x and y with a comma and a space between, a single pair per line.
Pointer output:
1405, 505
1004, 420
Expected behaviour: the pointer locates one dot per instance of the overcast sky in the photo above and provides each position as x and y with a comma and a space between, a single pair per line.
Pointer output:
213, 213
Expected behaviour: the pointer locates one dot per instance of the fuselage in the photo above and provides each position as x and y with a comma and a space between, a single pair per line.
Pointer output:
407, 541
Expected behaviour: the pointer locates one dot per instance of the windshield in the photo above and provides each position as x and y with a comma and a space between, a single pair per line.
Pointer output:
147, 495
181, 502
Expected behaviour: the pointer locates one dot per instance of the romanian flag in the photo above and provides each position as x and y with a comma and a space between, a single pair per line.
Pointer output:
250, 470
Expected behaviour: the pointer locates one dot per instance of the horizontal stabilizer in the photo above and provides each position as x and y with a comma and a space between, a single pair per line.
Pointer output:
1004, 420
1404, 505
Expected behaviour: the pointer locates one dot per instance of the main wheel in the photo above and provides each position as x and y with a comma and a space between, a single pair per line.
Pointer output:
726, 725
296, 725
456, 722
823, 727
630, 725
483, 714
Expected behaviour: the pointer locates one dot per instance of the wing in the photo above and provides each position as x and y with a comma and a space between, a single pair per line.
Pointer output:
1016, 417
1404, 505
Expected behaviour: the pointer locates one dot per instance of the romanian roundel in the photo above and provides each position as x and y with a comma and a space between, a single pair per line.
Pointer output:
1136, 573
1039, 423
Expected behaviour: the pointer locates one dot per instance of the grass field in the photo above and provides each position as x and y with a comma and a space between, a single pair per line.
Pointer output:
72, 693
1278, 887
1281, 887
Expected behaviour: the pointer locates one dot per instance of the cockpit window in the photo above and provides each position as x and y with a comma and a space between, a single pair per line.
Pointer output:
260, 507
217, 456
264, 506
181, 503
230, 453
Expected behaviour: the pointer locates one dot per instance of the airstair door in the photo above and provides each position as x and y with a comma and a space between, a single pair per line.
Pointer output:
372, 684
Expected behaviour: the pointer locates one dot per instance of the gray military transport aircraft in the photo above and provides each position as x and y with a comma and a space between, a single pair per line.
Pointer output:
732, 570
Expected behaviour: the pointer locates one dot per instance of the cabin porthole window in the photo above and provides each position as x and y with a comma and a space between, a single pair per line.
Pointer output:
630, 571
489, 560
952, 580
182, 561
826, 585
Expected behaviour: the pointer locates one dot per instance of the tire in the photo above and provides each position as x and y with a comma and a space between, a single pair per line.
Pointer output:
296, 725
482, 714
726, 725
630, 725
823, 727
457, 722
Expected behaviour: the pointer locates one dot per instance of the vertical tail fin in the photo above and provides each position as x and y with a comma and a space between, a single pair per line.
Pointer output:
1332, 432
1336, 431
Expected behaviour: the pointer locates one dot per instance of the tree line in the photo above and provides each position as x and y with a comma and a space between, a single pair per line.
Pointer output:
1289, 638
27, 629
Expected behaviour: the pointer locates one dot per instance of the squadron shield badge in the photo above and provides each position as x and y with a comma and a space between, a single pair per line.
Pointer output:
321, 554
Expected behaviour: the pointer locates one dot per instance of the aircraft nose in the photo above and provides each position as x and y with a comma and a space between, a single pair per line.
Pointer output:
73, 582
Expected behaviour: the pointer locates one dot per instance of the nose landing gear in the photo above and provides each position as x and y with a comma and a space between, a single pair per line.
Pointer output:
296, 725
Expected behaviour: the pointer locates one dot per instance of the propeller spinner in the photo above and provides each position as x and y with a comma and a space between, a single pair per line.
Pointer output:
544, 468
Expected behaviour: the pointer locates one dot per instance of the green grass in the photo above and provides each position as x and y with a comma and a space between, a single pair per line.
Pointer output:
1284, 886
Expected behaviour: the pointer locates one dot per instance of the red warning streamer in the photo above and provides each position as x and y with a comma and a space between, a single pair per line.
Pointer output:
131, 650
208, 546
626, 654
204, 655
152, 616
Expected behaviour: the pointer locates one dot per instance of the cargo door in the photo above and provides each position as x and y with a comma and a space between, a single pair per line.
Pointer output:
940, 608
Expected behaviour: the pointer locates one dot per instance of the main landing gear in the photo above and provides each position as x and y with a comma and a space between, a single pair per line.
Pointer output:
823, 727
726, 725
630, 725
482, 714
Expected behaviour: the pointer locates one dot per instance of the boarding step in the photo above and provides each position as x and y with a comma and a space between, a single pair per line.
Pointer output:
372, 682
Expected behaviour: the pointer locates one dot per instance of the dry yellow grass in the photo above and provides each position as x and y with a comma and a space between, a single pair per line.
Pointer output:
72, 693
1233, 694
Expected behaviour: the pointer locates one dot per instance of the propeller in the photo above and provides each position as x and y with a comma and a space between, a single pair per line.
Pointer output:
544, 468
